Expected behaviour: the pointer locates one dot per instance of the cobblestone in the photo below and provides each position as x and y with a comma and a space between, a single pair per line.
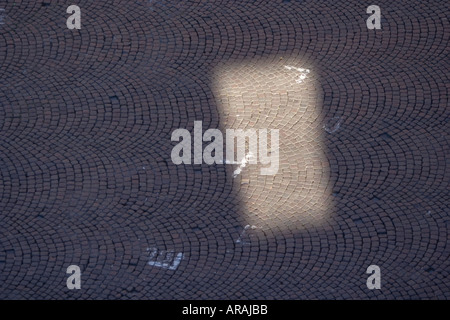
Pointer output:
86, 176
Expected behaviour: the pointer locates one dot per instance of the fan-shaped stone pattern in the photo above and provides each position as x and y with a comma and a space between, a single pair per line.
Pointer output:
268, 97
86, 176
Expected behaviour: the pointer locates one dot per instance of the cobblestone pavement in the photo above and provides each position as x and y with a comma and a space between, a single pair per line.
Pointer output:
87, 178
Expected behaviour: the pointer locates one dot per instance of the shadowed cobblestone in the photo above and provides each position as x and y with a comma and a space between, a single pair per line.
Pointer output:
86, 118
